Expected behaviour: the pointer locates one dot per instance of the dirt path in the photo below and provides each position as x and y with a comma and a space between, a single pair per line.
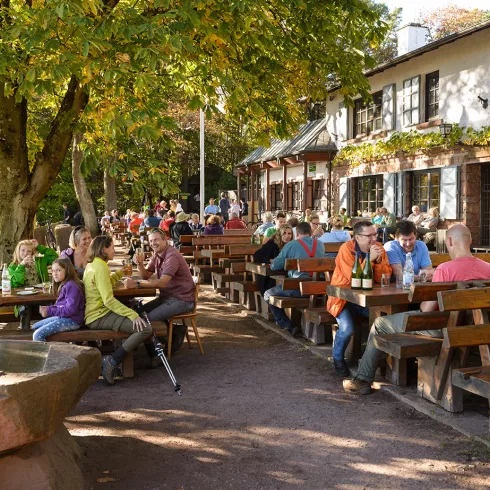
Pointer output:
260, 413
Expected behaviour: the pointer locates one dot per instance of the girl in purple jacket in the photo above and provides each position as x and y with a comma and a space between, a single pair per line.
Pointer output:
67, 313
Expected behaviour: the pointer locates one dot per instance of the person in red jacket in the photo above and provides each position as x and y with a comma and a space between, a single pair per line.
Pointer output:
364, 241
235, 223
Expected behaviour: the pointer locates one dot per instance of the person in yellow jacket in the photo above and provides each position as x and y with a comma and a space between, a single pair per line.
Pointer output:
364, 241
103, 311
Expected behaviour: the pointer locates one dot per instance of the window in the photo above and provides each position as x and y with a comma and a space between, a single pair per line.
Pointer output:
368, 117
425, 189
317, 111
432, 96
411, 101
316, 193
297, 200
276, 197
369, 193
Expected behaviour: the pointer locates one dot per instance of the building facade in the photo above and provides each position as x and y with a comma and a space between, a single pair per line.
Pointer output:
427, 85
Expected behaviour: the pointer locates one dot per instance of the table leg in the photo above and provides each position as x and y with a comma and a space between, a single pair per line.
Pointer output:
25, 319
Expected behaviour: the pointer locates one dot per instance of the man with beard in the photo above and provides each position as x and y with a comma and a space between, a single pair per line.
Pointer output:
173, 279
405, 242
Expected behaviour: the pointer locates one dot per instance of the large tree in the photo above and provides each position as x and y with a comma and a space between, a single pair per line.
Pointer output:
96, 64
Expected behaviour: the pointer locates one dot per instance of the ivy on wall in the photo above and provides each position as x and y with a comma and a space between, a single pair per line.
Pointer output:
411, 142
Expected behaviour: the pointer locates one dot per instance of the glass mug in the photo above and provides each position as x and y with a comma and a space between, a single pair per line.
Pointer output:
139, 254
385, 280
47, 287
127, 268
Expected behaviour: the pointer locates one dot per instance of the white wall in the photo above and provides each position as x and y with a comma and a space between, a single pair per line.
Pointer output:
294, 173
464, 73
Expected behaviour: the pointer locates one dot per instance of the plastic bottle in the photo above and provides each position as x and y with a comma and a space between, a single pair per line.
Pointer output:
356, 278
367, 274
408, 274
6, 284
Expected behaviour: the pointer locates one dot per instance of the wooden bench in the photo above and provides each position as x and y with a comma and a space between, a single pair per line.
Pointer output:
242, 290
438, 259
314, 266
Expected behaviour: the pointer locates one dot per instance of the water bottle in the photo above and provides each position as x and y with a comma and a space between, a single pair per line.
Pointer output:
408, 275
6, 284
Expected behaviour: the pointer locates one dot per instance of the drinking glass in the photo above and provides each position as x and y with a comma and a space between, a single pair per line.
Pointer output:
46, 287
422, 276
139, 255
127, 268
385, 280
399, 279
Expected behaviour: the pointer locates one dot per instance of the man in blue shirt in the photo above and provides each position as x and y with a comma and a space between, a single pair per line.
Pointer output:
211, 208
303, 247
405, 242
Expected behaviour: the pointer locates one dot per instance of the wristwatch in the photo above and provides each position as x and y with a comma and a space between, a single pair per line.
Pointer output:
138, 284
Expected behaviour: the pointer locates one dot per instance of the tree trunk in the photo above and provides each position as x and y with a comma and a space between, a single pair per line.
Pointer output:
81, 190
109, 191
21, 189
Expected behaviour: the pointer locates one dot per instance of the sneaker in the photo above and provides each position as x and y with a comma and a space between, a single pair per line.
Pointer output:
296, 332
178, 336
356, 385
341, 368
108, 370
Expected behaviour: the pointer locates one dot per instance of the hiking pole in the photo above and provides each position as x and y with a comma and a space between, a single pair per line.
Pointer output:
161, 355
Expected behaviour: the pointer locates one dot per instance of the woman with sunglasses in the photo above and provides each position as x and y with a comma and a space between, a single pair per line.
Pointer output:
104, 312
79, 242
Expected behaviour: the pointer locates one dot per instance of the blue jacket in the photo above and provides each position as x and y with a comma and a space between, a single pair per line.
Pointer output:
294, 250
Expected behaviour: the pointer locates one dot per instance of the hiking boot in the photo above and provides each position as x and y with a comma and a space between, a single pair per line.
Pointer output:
341, 368
108, 370
178, 336
296, 332
357, 386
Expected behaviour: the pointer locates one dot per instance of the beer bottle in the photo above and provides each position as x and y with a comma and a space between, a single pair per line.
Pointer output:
367, 274
356, 279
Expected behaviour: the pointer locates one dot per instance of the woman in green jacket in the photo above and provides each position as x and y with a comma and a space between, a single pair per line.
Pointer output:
104, 312
30, 264
30, 267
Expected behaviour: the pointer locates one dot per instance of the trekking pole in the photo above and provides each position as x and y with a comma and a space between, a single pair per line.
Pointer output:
161, 355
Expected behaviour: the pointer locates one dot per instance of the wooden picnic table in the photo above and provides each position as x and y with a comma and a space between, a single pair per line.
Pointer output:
213, 253
388, 300
263, 270
41, 298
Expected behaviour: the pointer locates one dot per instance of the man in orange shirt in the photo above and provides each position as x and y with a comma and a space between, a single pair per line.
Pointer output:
134, 224
364, 241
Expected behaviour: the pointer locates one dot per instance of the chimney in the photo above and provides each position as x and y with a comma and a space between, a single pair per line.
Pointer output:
411, 37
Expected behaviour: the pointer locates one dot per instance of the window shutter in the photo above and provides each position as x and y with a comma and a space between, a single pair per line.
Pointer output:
290, 196
449, 198
389, 107
389, 192
344, 194
343, 122
400, 195
309, 193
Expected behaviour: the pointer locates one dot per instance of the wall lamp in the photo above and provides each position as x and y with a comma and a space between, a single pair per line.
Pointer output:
445, 129
484, 102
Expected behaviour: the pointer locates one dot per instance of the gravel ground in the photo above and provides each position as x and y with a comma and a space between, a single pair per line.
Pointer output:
258, 412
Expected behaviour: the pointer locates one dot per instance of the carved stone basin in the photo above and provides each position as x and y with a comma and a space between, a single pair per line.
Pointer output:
39, 384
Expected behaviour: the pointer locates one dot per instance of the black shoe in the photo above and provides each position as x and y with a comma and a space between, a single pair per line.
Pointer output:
108, 370
296, 332
178, 336
341, 368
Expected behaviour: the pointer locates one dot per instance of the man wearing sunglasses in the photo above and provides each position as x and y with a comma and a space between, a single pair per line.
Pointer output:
173, 279
364, 241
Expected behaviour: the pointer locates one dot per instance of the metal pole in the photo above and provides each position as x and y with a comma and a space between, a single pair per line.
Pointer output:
201, 165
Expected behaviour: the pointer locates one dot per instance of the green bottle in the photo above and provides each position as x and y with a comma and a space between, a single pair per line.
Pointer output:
367, 274
356, 279
252, 239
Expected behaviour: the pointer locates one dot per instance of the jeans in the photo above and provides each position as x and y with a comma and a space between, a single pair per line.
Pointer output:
345, 321
53, 324
383, 325
279, 315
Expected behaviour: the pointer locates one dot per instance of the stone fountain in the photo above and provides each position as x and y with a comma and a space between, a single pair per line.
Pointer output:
40, 383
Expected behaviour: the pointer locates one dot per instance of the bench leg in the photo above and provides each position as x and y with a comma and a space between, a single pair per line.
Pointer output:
128, 366
396, 371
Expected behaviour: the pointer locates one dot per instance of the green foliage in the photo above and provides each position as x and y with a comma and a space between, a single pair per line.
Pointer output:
410, 143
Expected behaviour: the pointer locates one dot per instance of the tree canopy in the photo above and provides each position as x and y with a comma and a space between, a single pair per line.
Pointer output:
450, 19
109, 68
